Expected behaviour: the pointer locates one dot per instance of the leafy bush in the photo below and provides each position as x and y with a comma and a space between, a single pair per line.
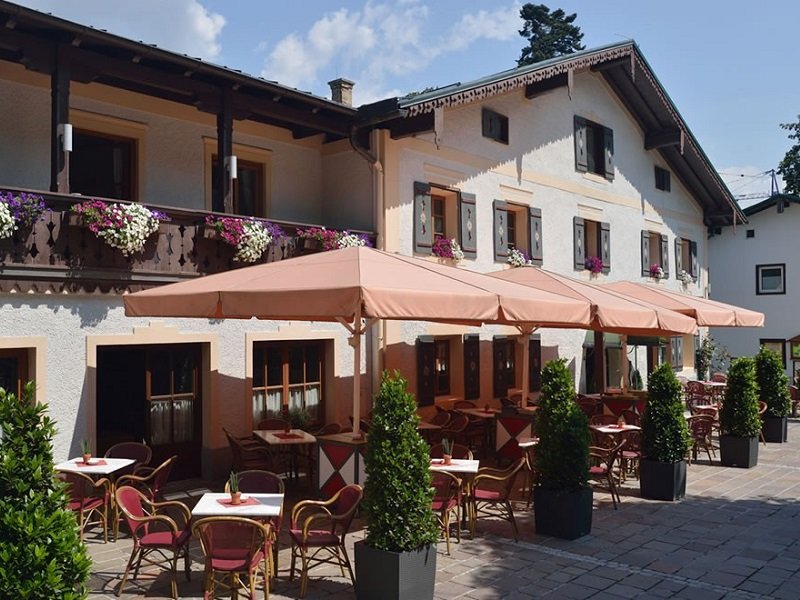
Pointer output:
665, 435
398, 493
739, 414
773, 385
562, 455
41, 556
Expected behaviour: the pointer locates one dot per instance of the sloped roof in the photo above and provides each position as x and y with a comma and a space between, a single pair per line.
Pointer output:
773, 200
627, 72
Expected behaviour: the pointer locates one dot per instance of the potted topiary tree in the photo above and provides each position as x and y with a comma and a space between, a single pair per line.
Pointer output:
665, 438
397, 560
773, 388
562, 499
739, 420
41, 555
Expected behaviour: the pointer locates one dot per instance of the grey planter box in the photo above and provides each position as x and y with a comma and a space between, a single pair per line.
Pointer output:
662, 481
383, 575
775, 429
737, 451
562, 514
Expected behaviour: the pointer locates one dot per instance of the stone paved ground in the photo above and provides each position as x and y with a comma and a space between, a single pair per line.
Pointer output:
736, 535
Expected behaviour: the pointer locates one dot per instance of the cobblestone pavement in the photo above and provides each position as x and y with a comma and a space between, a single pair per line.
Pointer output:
736, 535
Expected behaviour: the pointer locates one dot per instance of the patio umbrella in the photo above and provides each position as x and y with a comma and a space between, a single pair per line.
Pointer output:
707, 313
358, 283
611, 311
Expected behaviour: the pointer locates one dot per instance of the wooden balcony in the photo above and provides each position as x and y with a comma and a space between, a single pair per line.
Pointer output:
60, 254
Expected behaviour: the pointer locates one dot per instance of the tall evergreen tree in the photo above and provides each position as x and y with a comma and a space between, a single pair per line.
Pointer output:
549, 34
789, 167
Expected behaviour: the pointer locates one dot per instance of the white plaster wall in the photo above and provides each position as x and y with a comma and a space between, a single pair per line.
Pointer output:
65, 321
732, 268
347, 184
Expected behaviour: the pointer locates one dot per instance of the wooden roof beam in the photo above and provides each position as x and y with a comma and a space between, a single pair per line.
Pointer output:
662, 139
540, 87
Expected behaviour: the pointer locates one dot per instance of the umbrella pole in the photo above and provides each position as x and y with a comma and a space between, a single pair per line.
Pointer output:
525, 334
357, 331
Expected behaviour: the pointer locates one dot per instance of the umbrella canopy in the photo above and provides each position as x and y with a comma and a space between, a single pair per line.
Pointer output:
707, 313
612, 312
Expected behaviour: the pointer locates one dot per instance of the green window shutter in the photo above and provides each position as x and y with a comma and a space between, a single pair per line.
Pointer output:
535, 233
665, 255
581, 149
579, 251
678, 256
693, 253
605, 246
472, 366
645, 253
468, 224
500, 230
608, 146
426, 363
423, 227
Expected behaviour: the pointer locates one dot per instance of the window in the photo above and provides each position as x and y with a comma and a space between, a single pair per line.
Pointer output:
655, 251
441, 212
102, 165
662, 179
676, 352
594, 148
511, 225
686, 257
494, 126
592, 245
248, 188
438, 217
442, 368
750, 233
770, 279
13, 369
777, 346
288, 376
503, 365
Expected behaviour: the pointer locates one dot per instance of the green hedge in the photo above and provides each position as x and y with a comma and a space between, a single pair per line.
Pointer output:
773, 385
739, 414
665, 435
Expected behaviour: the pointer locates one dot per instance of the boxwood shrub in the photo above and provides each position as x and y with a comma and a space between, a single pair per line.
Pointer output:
665, 435
739, 414
773, 385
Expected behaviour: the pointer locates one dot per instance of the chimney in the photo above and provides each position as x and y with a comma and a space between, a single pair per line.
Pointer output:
342, 91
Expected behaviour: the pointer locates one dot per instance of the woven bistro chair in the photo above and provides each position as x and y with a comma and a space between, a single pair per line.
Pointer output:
701, 428
601, 468
86, 498
139, 452
459, 451
446, 503
490, 495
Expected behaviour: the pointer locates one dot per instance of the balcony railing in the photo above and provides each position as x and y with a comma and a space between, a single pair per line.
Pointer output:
60, 254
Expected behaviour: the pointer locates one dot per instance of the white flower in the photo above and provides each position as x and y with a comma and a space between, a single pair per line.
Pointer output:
517, 258
685, 277
7, 223
349, 240
253, 242
138, 223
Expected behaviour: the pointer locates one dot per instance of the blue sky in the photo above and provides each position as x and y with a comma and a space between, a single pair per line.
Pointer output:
729, 66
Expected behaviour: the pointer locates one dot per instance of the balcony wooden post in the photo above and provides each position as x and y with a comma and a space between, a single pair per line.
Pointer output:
59, 114
223, 200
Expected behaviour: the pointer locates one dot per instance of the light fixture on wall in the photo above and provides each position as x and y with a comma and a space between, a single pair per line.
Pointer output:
65, 133
231, 163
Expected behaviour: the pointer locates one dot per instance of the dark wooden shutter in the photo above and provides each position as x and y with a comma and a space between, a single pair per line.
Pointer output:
693, 253
578, 243
472, 367
665, 255
535, 366
581, 150
535, 219
423, 227
469, 224
608, 142
499, 374
676, 352
605, 246
500, 230
678, 256
426, 363
645, 253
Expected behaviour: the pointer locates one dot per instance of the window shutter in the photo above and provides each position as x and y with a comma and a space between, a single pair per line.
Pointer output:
693, 253
678, 256
423, 228
581, 150
426, 362
605, 246
608, 141
645, 253
500, 230
535, 219
577, 242
665, 255
676, 351
499, 384
535, 366
472, 367
468, 233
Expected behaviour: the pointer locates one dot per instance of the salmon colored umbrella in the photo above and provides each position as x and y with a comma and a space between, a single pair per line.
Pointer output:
707, 313
611, 312
358, 283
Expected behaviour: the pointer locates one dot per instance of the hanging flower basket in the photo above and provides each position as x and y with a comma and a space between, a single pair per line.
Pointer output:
122, 226
656, 272
686, 278
19, 210
444, 248
518, 258
594, 264
320, 238
249, 236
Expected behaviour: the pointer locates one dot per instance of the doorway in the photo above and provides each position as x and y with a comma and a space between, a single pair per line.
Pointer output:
152, 393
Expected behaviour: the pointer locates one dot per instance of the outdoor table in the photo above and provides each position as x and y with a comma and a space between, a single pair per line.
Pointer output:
614, 404
99, 466
615, 429
340, 462
291, 438
264, 505
485, 415
427, 429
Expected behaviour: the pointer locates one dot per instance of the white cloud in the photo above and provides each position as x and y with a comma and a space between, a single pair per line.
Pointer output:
179, 25
378, 42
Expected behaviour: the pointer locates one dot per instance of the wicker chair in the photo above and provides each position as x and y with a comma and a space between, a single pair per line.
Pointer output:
601, 468
87, 498
446, 503
490, 495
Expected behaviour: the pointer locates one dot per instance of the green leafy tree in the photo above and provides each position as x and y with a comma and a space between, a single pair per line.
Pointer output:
549, 34
789, 167
562, 455
739, 414
41, 557
665, 435
398, 493
773, 385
